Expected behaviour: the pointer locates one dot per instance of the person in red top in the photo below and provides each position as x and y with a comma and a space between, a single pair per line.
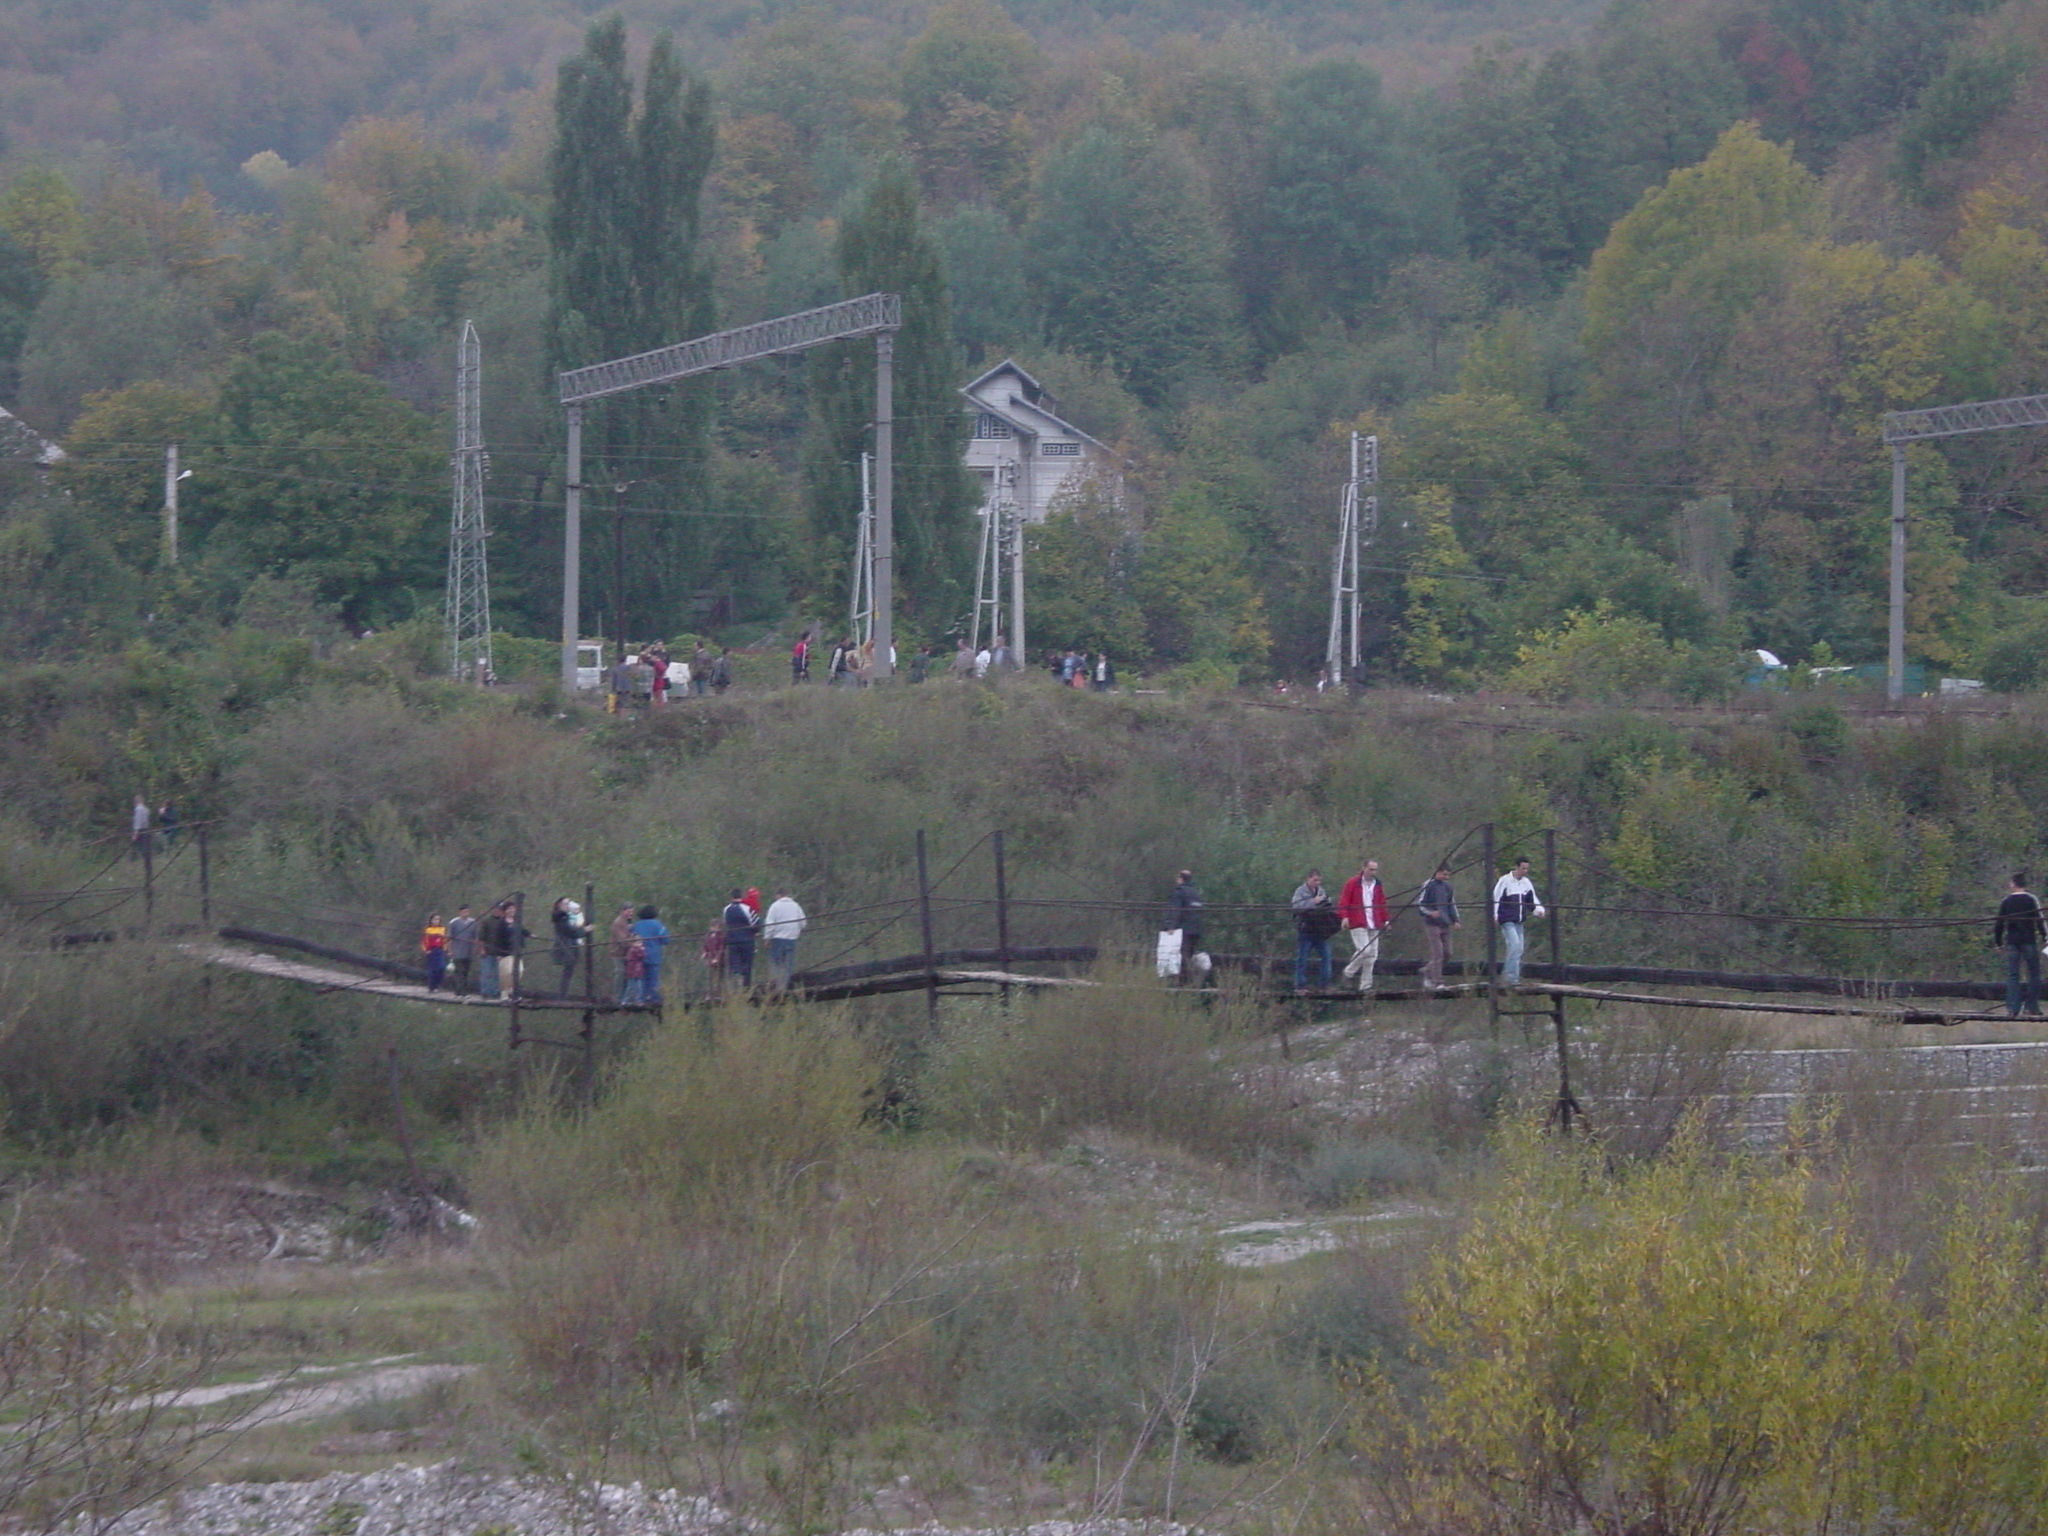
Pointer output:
1362, 906
753, 901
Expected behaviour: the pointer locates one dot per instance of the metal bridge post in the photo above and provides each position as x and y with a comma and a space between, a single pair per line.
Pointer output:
1492, 937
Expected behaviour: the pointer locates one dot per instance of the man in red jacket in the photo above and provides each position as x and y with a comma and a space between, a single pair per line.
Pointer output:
1363, 908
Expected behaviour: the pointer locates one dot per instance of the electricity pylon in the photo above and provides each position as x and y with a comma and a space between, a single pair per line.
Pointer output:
468, 613
1358, 519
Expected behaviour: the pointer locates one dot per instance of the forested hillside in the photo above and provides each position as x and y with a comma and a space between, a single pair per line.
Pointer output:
1624, 312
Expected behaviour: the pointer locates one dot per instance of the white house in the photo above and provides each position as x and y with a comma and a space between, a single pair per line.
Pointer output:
1022, 452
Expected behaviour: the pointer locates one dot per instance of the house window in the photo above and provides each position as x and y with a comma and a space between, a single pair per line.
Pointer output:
1060, 450
986, 425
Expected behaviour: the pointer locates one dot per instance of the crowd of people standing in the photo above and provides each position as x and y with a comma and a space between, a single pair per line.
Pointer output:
487, 957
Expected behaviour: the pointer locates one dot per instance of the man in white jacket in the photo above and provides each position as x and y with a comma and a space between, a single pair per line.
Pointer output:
782, 925
1514, 903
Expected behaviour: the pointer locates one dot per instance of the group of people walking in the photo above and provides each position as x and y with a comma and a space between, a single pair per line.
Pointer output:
1362, 910
487, 953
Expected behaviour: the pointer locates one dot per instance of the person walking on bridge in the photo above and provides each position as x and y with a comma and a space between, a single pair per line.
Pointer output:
782, 926
739, 919
491, 942
652, 933
2019, 932
434, 950
1363, 906
1315, 924
1186, 910
462, 947
1438, 905
1514, 904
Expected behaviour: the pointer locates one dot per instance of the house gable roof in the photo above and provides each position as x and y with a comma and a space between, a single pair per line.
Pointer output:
1012, 407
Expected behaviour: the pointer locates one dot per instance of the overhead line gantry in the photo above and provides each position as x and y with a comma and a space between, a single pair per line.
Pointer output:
879, 315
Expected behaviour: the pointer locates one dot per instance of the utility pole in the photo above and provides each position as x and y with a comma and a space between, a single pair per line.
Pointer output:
885, 506
1357, 521
171, 479
619, 560
999, 557
1019, 656
861, 606
467, 615
1895, 648
572, 552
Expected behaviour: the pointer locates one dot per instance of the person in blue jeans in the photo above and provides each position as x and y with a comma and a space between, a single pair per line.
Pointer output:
653, 936
1315, 921
739, 939
2019, 932
1514, 904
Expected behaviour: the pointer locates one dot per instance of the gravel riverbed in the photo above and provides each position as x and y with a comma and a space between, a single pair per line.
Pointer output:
450, 1500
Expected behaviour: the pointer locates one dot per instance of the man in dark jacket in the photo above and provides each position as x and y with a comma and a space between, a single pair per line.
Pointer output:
1187, 917
1439, 908
1316, 922
2018, 932
739, 939
491, 943
462, 948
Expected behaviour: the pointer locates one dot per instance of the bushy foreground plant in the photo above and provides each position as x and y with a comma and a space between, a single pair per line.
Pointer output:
728, 1276
1703, 1343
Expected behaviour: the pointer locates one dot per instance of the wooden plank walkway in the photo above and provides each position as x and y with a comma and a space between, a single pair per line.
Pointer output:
326, 980
1876, 1012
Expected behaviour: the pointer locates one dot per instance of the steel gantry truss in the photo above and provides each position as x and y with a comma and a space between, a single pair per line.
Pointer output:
879, 315
1358, 519
468, 609
1903, 427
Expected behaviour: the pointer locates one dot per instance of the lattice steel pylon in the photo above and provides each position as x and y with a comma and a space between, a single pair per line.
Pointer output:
468, 612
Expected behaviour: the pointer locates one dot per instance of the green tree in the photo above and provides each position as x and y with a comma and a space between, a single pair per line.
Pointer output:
1341, 209
885, 248
625, 276
1083, 562
1129, 262
986, 271
1438, 635
106, 330
113, 466
1195, 585
1523, 146
321, 476
41, 212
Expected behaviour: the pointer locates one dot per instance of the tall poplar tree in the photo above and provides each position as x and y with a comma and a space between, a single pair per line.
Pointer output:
885, 248
625, 276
